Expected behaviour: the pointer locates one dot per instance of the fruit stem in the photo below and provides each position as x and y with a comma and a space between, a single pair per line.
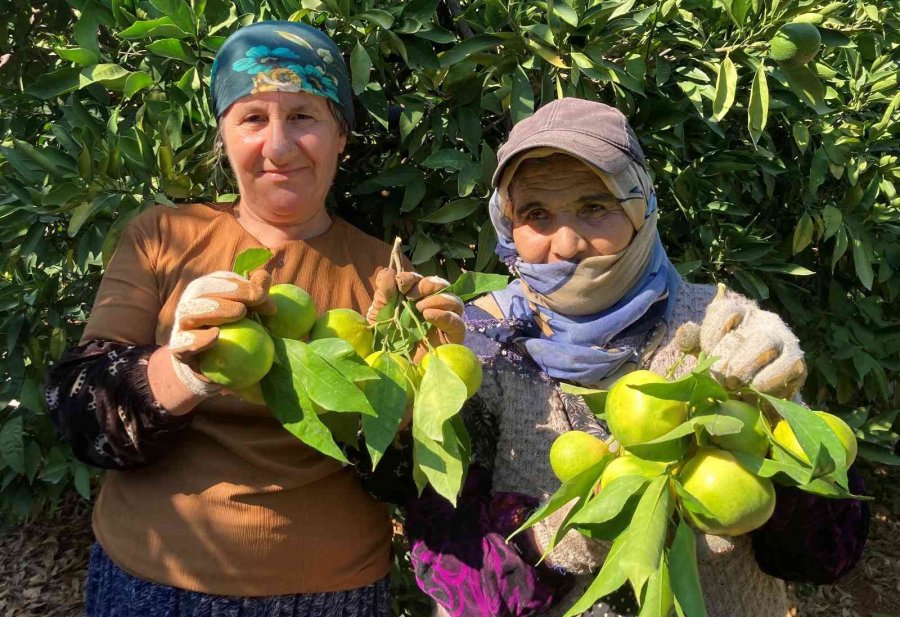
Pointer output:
670, 374
422, 330
396, 263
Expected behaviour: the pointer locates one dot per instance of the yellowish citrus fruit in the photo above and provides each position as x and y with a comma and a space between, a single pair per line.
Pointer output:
377, 359
738, 500
252, 394
461, 361
345, 324
295, 312
795, 44
752, 438
573, 452
784, 435
630, 466
635, 418
240, 357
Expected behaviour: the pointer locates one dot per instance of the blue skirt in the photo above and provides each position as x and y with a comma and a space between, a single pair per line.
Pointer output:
112, 592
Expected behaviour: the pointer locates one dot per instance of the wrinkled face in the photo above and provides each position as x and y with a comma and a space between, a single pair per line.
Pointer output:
562, 211
283, 148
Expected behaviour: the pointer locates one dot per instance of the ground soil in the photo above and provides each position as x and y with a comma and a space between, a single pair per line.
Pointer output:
43, 563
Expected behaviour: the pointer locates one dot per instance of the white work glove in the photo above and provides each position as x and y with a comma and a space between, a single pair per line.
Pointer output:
441, 310
754, 347
207, 302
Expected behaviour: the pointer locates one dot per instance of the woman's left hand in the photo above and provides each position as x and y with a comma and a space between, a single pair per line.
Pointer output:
754, 347
441, 310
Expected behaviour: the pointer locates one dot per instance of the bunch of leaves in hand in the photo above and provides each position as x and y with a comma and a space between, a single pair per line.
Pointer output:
693, 456
356, 384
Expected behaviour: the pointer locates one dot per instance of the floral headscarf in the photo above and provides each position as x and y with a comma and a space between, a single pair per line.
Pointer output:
280, 56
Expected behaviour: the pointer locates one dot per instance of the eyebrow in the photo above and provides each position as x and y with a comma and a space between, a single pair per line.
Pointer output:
256, 107
601, 197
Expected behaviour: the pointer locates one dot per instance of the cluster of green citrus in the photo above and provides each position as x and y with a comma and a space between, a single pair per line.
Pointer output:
735, 500
244, 352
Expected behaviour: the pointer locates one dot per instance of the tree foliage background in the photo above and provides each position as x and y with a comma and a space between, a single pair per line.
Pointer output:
779, 182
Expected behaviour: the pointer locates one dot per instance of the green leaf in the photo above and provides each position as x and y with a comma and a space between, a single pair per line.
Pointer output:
387, 394
862, 260
453, 160
426, 248
172, 48
55, 83
768, 468
78, 55
325, 385
292, 407
178, 11
453, 211
378, 17
726, 88
163, 26
468, 47
610, 502
136, 82
874, 453
360, 67
816, 438
580, 487
803, 233
658, 600
841, 242
344, 359
250, 260
684, 576
443, 464
806, 85
441, 395
758, 108
473, 284
38, 157
646, 535
112, 76
82, 480
12, 444
83, 213
521, 97
594, 399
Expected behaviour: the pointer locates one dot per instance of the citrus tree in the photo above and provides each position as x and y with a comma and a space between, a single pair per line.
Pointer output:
775, 175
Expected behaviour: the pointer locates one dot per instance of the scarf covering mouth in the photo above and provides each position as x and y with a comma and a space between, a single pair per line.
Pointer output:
280, 56
573, 312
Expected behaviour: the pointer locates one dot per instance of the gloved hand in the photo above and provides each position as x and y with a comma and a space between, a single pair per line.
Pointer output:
754, 346
442, 310
207, 302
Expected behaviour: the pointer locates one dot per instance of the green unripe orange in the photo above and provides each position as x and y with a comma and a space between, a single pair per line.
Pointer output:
635, 418
573, 452
628, 465
345, 324
752, 438
240, 357
784, 435
738, 500
295, 312
795, 44
462, 361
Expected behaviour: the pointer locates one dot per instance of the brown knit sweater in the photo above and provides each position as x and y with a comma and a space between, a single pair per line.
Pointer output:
240, 507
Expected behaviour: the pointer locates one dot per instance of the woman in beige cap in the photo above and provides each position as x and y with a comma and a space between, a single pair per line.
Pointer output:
594, 297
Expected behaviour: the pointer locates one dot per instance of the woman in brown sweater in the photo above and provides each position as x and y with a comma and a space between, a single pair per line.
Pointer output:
211, 508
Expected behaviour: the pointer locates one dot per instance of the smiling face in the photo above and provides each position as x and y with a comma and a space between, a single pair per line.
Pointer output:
562, 211
283, 148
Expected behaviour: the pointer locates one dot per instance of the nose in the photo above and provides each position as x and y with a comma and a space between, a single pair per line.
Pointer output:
278, 146
567, 244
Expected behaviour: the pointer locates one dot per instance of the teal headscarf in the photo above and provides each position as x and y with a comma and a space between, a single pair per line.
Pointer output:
280, 56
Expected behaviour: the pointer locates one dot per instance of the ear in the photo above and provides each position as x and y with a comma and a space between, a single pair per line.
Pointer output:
343, 142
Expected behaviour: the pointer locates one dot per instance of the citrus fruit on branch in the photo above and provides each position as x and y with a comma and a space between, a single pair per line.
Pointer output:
295, 312
795, 44
462, 361
240, 357
575, 451
753, 438
785, 436
635, 417
738, 501
345, 324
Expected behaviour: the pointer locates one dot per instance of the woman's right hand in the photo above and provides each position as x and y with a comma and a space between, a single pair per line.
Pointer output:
208, 302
